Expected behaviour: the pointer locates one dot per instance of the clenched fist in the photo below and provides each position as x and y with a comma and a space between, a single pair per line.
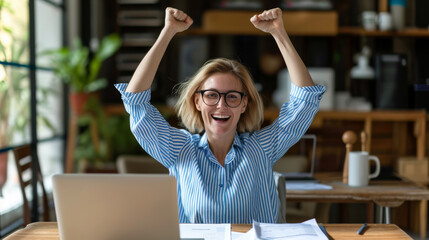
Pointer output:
176, 20
269, 21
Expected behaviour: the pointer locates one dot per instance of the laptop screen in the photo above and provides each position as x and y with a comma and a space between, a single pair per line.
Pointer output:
299, 166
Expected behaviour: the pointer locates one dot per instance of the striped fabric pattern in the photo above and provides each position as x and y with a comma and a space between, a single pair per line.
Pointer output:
243, 189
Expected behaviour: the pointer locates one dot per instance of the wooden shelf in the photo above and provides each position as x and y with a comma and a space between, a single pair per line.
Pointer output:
297, 23
303, 23
408, 32
378, 115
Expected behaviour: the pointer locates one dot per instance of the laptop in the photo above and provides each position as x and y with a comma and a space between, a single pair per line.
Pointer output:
305, 175
116, 206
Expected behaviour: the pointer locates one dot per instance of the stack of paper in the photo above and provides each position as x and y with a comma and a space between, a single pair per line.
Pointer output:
303, 185
307, 230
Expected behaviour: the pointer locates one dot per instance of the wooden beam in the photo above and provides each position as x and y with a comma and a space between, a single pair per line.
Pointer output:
383, 6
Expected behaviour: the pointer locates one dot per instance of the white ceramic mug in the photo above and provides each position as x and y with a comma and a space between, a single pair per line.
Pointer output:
359, 168
369, 20
385, 21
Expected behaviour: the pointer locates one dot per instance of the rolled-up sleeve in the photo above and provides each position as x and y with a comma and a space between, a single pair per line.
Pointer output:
160, 140
294, 119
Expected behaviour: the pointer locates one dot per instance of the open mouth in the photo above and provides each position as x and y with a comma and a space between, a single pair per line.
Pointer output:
219, 117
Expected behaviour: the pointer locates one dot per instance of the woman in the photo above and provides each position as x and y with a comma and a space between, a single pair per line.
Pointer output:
225, 174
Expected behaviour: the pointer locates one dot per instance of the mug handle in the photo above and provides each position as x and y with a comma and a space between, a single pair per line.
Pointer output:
377, 167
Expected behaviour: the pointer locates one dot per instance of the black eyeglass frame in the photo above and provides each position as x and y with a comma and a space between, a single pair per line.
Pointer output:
242, 94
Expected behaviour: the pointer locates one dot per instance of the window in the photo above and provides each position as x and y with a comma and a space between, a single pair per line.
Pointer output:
18, 45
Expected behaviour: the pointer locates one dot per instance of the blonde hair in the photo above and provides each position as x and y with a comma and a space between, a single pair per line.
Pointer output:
252, 117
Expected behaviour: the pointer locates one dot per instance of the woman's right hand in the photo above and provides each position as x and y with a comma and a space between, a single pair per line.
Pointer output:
176, 20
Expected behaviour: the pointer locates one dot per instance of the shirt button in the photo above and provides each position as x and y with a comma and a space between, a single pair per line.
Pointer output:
220, 185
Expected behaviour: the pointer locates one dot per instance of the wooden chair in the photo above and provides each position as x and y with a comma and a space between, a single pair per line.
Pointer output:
24, 164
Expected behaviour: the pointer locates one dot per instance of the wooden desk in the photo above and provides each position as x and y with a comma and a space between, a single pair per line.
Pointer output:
383, 193
49, 230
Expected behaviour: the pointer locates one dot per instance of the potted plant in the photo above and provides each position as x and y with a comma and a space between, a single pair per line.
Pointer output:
113, 139
76, 68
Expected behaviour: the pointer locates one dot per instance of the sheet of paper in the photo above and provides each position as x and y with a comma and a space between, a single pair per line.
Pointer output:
206, 231
238, 236
307, 230
297, 185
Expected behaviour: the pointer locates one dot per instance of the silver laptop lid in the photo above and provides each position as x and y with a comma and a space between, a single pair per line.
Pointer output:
115, 206
312, 163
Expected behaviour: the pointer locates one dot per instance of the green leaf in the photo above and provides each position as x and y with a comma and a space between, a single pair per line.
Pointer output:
94, 68
96, 85
45, 121
109, 45
8, 30
3, 51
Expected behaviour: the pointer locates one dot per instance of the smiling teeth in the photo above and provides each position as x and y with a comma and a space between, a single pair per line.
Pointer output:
220, 116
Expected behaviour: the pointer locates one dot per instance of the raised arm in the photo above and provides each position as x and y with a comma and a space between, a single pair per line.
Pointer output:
175, 21
271, 21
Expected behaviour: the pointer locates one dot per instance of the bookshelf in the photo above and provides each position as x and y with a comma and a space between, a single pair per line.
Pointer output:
138, 23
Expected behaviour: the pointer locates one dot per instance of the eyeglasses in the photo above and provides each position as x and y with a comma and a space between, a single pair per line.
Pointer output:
212, 97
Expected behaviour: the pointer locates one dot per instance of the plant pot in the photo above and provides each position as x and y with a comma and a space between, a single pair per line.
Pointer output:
78, 102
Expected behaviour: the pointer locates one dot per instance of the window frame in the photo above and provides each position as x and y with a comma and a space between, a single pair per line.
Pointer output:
33, 68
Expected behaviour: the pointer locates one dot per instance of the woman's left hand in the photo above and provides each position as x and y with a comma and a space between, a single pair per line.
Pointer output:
270, 21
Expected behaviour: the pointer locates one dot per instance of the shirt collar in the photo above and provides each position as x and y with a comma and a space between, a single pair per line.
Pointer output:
204, 143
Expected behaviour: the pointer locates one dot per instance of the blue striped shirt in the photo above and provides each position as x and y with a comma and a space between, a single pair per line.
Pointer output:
243, 189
